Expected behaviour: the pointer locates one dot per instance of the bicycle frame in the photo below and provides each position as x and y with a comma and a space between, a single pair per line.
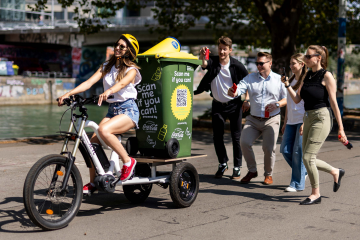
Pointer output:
81, 136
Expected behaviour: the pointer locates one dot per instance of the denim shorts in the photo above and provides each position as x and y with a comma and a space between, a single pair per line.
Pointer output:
129, 108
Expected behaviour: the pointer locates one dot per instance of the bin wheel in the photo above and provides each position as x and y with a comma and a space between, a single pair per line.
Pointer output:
139, 193
184, 185
172, 148
132, 146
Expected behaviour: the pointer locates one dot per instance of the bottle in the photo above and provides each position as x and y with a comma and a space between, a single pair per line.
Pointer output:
162, 132
207, 52
347, 143
156, 76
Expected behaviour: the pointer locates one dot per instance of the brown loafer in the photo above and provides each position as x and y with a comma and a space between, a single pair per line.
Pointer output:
248, 177
268, 180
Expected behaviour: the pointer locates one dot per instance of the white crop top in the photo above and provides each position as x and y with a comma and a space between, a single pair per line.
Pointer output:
128, 91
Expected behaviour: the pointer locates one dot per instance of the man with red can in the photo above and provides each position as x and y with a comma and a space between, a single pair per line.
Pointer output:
267, 95
223, 72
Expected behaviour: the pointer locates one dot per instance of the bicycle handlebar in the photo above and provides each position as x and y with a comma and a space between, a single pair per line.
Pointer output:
80, 101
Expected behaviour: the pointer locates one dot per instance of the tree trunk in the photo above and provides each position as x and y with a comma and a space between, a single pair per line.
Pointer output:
283, 24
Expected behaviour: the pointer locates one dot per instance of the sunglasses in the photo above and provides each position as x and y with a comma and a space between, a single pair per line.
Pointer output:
310, 56
260, 63
122, 47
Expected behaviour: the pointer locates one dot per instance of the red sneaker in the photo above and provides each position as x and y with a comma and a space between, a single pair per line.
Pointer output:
126, 171
88, 188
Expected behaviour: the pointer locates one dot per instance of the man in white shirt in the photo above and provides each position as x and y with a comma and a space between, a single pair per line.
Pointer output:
267, 95
223, 72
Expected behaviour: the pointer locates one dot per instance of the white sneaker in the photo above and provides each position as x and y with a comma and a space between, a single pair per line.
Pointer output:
290, 189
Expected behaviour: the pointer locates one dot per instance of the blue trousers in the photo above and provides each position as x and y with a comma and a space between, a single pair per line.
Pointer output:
291, 149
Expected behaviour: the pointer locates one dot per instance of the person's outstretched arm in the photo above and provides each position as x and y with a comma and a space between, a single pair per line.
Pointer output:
82, 87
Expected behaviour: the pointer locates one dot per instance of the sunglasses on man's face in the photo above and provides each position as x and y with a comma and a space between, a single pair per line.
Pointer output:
260, 63
310, 56
122, 47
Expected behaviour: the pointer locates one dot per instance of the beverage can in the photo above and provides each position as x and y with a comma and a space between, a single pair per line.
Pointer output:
234, 86
207, 52
347, 143
267, 114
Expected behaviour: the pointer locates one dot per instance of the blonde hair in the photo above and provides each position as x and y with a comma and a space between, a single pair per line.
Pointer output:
299, 57
322, 50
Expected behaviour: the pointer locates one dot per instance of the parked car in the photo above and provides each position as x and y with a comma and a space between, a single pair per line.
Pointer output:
98, 22
23, 25
46, 26
6, 26
65, 24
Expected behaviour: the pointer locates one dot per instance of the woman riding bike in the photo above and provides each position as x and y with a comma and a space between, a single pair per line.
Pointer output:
120, 76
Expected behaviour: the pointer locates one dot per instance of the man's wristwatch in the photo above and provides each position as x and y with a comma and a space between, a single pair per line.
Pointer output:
277, 105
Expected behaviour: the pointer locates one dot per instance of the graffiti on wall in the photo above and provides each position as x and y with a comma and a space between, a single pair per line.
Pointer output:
76, 60
76, 40
91, 59
14, 82
17, 88
11, 91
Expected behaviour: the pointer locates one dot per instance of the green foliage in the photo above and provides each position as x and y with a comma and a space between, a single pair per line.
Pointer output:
88, 10
280, 24
352, 63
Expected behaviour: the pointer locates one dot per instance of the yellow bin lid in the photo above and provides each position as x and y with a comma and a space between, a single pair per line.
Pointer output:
167, 48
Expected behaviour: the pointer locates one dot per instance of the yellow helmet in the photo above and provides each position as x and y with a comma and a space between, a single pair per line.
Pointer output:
134, 44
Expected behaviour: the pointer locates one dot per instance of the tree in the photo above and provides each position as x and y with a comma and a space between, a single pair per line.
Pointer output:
283, 25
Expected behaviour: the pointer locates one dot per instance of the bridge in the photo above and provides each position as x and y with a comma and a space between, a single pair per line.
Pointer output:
197, 35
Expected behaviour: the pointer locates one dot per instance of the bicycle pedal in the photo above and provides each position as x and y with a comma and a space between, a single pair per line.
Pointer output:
86, 194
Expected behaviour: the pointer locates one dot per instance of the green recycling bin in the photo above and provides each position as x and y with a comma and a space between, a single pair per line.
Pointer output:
165, 98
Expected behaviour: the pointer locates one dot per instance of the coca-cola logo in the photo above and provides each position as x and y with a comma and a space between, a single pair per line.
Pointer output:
178, 134
150, 141
150, 126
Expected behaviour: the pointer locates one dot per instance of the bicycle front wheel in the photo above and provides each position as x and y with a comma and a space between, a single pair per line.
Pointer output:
47, 206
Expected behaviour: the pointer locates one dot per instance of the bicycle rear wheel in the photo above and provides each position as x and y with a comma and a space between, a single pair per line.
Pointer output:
47, 206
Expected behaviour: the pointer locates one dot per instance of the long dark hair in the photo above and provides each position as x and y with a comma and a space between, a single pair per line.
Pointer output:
299, 57
125, 61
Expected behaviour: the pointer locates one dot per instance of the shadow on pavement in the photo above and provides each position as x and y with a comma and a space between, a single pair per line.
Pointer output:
18, 219
110, 202
9, 216
258, 185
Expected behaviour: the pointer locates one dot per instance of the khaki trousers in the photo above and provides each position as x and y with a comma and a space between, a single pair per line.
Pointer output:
252, 130
317, 126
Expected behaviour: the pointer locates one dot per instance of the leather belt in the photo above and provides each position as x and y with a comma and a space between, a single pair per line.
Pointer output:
227, 103
264, 119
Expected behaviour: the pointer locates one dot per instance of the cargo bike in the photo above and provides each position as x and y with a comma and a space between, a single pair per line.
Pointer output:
53, 192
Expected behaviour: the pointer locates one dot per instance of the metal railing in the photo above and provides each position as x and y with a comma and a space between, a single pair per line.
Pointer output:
114, 22
46, 74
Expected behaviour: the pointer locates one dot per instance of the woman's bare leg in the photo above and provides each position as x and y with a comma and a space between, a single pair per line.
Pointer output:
116, 125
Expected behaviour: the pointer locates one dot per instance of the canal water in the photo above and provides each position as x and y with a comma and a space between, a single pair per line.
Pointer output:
40, 120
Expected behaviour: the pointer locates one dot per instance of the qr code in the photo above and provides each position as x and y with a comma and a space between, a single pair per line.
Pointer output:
181, 100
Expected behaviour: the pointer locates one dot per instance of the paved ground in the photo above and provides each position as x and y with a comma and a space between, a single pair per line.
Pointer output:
224, 209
